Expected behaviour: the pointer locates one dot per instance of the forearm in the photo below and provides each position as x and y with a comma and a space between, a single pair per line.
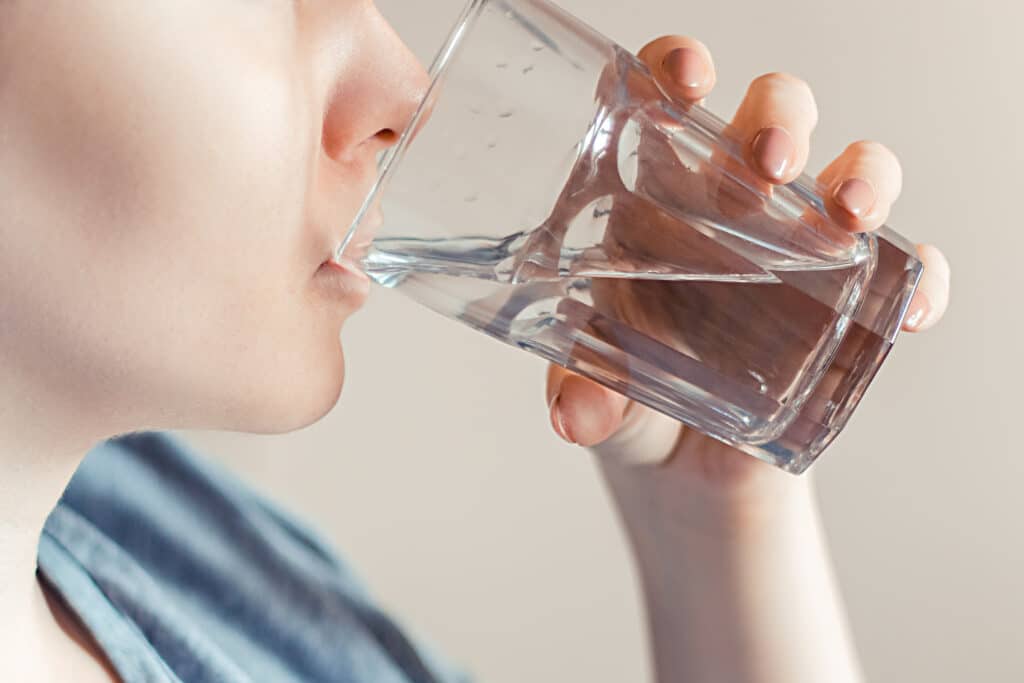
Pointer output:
741, 595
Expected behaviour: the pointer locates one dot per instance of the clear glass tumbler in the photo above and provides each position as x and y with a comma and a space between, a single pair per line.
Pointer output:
551, 195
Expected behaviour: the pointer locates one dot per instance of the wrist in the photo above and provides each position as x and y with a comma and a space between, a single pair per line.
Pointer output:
687, 534
732, 575
706, 491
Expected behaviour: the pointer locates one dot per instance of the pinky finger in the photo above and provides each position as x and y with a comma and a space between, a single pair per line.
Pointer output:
932, 295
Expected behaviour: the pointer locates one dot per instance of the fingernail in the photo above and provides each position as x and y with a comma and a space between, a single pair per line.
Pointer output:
557, 422
856, 195
919, 309
773, 148
686, 67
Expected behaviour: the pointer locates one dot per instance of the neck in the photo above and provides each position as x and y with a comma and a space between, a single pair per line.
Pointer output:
42, 441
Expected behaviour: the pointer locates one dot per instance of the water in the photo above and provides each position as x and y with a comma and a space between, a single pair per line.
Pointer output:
735, 344
702, 293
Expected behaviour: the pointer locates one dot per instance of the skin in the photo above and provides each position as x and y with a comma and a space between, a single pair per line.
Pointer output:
172, 175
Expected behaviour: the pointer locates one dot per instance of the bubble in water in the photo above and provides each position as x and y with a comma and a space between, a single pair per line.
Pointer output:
762, 387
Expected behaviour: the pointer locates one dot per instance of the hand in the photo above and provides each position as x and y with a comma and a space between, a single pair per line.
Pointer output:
773, 124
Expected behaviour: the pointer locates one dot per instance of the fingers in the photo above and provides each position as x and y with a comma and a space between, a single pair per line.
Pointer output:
774, 124
932, 295
682, 65
615, 427
581, 410
861, 185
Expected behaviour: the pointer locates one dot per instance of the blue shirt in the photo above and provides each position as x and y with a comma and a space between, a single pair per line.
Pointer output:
182, 574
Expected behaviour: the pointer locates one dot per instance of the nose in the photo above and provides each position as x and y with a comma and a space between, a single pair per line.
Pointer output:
378, 87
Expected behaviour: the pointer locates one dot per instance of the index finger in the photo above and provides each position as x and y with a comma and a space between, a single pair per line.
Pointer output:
682, 65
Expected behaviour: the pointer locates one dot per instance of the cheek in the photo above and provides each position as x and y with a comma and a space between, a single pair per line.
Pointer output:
166, 154
244, 261
237, 188
244, 265
185, 174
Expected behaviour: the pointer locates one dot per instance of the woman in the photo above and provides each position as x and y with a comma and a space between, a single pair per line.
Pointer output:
172, 177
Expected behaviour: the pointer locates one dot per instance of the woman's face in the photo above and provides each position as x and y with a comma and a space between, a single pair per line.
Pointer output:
172, 175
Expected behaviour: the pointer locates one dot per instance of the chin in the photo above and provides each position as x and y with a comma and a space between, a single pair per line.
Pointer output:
298, 403
325, 390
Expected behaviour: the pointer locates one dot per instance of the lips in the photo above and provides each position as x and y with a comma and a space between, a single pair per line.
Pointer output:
344, 281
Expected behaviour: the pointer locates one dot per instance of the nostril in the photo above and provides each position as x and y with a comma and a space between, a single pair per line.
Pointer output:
339, 147
388, 136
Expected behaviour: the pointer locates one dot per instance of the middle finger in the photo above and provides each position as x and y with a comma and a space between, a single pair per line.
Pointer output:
774, 124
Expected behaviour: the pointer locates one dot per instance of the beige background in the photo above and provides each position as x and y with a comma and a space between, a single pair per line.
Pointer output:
438, 475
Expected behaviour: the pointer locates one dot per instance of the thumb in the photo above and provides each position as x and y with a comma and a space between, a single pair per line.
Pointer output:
584, 412
581, 410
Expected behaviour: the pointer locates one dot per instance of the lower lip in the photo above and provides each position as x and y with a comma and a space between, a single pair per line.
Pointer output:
343, 280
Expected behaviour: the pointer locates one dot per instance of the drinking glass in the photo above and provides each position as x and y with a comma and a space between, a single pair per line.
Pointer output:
550, 194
